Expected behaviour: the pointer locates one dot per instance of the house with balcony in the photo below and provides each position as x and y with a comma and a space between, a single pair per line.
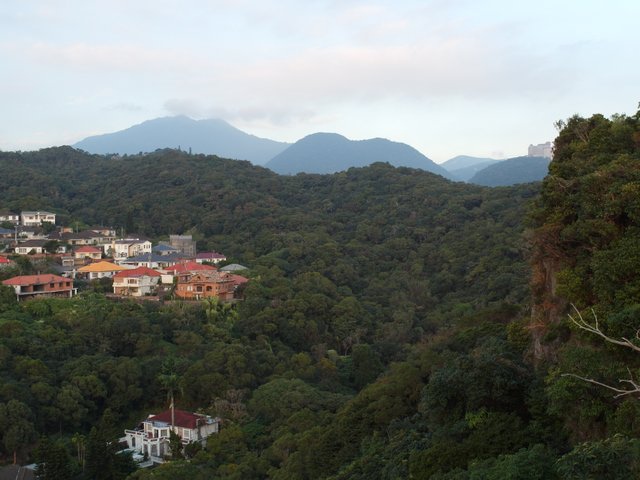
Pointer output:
136, 282
205, 283
33, 219
46, 285
151, 436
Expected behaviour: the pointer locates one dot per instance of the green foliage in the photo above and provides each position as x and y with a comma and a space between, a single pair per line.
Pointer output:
613, 458
53, 461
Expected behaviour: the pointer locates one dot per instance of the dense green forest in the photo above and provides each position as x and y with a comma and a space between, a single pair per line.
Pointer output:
388, 331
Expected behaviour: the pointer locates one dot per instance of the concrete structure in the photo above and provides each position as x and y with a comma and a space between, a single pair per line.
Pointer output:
184, 243
32, 219
137, 282
541, 150
47, 285
151, 436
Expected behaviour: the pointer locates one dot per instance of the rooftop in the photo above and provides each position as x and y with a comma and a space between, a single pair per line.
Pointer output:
101, 267
137, 272
34, 279
181, 418
191, 267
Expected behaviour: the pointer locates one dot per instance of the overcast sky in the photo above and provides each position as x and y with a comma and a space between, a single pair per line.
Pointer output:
483, 78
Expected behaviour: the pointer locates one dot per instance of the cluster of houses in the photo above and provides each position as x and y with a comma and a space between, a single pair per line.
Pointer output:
136, 267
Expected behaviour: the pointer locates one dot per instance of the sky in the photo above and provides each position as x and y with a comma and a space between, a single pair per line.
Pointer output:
458, 77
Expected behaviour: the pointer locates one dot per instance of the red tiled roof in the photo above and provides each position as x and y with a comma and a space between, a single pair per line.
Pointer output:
238, 279
190, 267
137, 272
34, 279
182, 419
88, 249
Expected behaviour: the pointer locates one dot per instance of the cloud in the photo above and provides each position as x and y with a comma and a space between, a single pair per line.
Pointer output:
272, 115
110, 57
125, 107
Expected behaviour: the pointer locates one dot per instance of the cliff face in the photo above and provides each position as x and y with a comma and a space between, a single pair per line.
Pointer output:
586, 236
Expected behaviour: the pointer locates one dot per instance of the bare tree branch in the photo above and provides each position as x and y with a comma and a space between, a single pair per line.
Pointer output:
620, 391
594, 328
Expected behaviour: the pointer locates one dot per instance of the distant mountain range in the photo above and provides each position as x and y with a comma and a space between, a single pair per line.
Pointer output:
514, 170
463, 167
212, 137
316, 153
330, 152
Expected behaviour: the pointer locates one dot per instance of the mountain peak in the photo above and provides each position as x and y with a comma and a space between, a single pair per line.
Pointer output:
331, 152
208, 136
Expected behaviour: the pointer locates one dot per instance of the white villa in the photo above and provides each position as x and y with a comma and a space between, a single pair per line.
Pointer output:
30, 219
151, 436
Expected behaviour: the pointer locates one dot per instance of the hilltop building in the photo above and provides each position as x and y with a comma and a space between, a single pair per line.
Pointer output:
541, 150
151, 436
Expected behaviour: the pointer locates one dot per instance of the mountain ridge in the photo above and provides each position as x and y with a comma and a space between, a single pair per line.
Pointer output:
326, 152
208, 136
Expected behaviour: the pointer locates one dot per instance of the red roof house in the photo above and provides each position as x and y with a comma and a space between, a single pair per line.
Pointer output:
136, 282
46, 285
93, 253
151, 437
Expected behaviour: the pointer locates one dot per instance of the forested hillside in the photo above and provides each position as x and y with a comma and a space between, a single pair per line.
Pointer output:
385, 333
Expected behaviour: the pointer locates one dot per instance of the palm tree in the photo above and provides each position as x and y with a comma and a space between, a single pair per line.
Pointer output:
170, 381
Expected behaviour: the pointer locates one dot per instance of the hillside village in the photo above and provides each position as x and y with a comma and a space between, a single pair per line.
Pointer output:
130, 264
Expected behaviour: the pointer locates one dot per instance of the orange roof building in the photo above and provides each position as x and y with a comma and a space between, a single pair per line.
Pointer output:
100, 270
47, 285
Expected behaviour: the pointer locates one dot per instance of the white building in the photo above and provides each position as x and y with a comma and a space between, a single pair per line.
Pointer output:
127, 248
10, 217
137, 282
541, 150
151, 436
32, 219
